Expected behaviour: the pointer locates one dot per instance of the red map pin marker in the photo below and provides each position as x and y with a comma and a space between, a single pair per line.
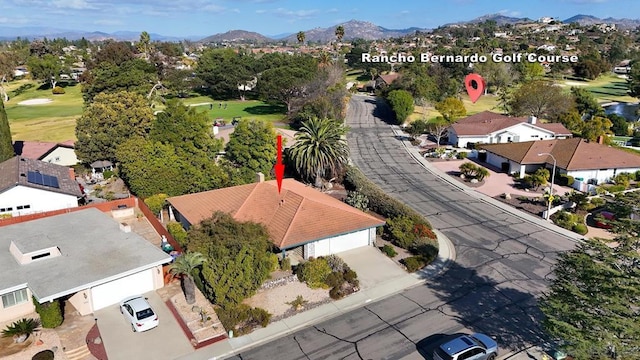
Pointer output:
475, 86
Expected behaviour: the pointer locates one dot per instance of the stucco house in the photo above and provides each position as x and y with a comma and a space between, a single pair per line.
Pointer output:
589, 163
491, 128
56, 153
300, 219
29, 186
84, 256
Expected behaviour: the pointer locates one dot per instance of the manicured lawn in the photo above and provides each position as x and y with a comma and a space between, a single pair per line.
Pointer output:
606, 88
486, 102
54, 121
249, 109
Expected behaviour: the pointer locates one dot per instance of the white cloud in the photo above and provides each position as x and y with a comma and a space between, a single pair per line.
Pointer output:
261, 11
108, 22
296, 14
509, 12
213, 8
332, 10
72, 4
13, 20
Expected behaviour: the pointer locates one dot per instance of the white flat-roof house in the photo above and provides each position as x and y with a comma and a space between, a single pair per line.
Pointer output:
491, 128
85, 256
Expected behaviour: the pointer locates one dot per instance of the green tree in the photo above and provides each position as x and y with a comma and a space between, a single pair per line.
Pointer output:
252, 145
284, 84
451, 109
156, 202
586, 104
401, 103
300, 36
225, 72
238, 257
529, 71
339, 33
497, 75
597, 126
6, 146
541, 99
320, 149
144, 44
572, 121
439, 128
184, 267
187, 129
418, 127
619, 125
591, 303
633, 82
109, 121
46, 68
8, 62
137, 76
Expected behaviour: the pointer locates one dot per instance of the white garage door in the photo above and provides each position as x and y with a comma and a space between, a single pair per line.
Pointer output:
114, 291
342, 243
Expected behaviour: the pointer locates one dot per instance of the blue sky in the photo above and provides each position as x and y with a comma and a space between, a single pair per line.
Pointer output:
271, 17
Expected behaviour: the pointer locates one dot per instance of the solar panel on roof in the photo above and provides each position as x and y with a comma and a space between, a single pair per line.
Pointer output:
37, 178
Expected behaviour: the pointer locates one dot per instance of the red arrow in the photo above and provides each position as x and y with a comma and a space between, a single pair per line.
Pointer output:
279, 166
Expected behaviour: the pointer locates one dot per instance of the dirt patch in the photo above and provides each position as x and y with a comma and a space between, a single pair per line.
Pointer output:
200, 318
528, 204
275, 300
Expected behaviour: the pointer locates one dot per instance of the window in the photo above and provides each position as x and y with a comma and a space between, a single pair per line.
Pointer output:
6, 209
14, 298
534, 136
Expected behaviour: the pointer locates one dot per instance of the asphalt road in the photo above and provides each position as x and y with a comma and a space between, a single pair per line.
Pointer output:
503, 263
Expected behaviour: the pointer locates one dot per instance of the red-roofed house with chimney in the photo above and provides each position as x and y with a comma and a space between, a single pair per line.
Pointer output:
491, 128
300, 219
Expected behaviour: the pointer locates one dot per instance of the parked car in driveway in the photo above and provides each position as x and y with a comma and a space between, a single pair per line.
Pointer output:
138, 313
467, 347
601, 219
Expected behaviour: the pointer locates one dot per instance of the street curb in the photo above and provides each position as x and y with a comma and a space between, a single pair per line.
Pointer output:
480, 196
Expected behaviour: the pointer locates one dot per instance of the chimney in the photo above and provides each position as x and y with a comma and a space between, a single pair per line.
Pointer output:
259, 177
72, 173
600, 139
532, 120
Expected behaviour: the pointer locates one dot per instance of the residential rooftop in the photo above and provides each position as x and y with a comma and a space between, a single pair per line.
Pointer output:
17, 171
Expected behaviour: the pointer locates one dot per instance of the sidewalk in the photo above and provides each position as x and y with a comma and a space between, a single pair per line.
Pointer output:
232, 346
415, 153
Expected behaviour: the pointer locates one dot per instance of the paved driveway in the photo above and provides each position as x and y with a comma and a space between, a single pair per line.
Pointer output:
372, 266
167, 341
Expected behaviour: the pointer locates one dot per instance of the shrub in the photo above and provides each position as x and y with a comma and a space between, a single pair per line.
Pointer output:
241, 318
285, 264
58, 90
389, 250
50, 313
337, 293
580, 229
156, 203
108, 174
401, 232
298, 302
351, 277
413, 263
622, 179
597, 202
427, 250
614, 188
462, 155
314, 272
178, 232
357, 200
335, 279
565, 180
274, 262
636, 175
336, 263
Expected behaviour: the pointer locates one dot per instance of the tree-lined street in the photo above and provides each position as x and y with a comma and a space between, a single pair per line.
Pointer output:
503, 263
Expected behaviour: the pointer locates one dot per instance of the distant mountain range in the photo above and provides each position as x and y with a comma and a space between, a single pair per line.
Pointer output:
353, 29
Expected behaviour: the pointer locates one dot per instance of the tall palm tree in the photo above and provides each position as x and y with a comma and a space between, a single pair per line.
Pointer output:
144, 44
324, 59
320, 149
183, 267
301, 36
339, 32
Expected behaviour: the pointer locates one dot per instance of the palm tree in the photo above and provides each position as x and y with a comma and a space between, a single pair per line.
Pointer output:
339, 33
301, 36
144, 44
320, 147
324, 59
183, 267
482, 173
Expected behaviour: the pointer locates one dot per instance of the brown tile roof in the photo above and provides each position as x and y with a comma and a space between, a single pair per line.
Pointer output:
14, 171
571, 154
487, 122
298, 215
389, 78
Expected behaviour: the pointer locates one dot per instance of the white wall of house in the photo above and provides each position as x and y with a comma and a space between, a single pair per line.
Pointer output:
37, 200
62, 156
18, 310
340, 243
114, 291
516, 133
600, 175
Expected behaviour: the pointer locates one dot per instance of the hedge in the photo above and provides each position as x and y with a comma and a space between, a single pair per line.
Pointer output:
50, 313
379, 202
242, 318
178, 232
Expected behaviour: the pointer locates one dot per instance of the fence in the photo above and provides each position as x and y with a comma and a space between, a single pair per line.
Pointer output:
157, 225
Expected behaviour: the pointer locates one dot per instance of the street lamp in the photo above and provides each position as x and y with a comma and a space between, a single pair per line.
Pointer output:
553, 176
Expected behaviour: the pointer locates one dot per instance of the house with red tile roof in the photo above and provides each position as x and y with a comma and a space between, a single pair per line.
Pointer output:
491, 128
56, 153
589, 163
300, 218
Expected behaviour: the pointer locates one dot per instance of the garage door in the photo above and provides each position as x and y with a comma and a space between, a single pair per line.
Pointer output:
114, 291
342, 243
